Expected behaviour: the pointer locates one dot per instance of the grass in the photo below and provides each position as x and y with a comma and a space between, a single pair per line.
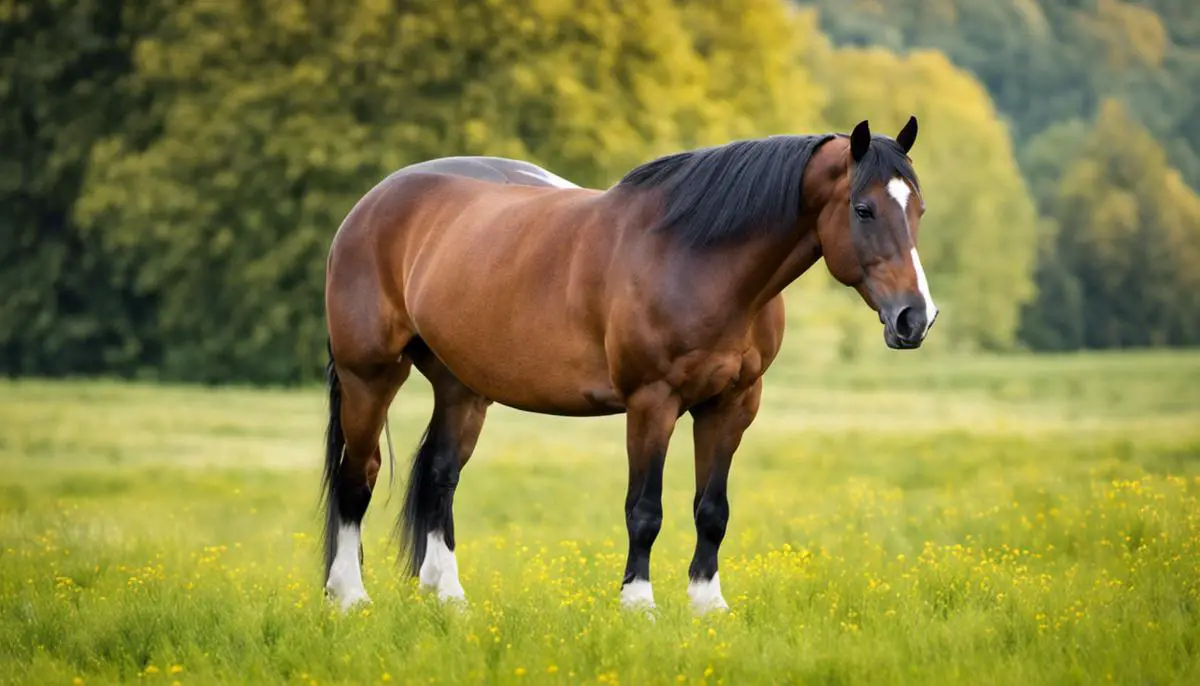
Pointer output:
913, 519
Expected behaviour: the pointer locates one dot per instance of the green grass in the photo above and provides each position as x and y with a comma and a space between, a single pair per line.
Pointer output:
912, 519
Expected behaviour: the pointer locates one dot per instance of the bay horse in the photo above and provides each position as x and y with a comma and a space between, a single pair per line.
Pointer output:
661, 295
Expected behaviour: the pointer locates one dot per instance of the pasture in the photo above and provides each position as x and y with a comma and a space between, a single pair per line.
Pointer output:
908, 519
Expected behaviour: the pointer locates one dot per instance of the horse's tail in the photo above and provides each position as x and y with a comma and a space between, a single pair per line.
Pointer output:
419, 513
335, 445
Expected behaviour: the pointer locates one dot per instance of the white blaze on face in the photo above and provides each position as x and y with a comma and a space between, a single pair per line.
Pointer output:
345, 582
900, 191
923, 285
439, 569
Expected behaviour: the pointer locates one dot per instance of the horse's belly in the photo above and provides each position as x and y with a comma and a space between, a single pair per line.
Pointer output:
514, 312
534, 378
536, 374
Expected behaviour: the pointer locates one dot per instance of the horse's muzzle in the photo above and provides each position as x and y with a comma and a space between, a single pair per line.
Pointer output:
905, 323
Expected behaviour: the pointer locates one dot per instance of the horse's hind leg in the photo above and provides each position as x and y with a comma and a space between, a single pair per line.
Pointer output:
359, 401
427, 520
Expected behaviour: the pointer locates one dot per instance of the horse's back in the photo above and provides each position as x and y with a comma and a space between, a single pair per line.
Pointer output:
453, 195
500, 170
429, 195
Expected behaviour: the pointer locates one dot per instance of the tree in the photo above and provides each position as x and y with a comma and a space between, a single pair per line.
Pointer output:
64, 308
1045, 158
275, 122
760, 57
1129, 236
1047, 61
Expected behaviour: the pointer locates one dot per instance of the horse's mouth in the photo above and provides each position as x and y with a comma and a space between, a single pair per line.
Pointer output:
895, 342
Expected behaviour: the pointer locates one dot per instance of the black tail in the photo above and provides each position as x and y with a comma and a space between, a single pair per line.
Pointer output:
335, 445
420, 513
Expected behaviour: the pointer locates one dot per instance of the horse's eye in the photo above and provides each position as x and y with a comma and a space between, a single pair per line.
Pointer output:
863, 211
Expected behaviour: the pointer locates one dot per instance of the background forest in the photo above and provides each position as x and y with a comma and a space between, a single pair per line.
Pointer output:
171, 173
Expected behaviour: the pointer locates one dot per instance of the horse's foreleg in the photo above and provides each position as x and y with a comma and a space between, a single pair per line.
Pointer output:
650, 419
717, 431
364, 400
427, 520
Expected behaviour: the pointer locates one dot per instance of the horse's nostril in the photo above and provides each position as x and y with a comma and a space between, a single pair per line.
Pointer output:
906, 322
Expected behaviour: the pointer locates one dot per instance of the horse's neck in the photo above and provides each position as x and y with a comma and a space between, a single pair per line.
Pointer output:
828, 165
797, 258
743, 278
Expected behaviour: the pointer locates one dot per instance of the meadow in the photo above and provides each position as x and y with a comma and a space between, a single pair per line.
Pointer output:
906, 519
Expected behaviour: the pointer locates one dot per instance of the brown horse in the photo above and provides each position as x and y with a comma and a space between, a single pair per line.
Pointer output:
661, 295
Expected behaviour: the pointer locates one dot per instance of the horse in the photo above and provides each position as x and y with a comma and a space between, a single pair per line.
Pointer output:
662, 294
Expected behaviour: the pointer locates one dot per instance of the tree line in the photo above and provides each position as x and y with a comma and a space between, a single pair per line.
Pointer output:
172, 173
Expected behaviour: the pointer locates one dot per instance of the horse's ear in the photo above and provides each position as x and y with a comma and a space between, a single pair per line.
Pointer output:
908, 135
860, 140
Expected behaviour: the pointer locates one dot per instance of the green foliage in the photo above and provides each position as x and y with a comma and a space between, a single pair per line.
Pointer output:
1045, 158
1047, 61
64, 309
225, 218
762, 64
1125, 265
173, 172
278, 121
1048, 64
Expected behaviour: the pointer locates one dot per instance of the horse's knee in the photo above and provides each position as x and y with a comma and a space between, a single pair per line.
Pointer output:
645, 521
712, 516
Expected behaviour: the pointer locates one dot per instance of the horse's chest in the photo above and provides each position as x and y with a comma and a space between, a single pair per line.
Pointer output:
701, 375
699, 354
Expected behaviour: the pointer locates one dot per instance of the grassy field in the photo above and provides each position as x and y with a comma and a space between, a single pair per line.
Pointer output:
911, 519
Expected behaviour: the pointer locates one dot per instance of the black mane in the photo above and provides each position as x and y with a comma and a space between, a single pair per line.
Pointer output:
731, 191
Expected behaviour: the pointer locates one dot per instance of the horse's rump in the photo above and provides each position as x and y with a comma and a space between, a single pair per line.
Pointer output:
503, 281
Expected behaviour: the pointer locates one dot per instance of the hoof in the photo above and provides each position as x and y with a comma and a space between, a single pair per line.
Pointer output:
717, 606
706, 596
346, 601
452, 595
456, 599
638, 595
